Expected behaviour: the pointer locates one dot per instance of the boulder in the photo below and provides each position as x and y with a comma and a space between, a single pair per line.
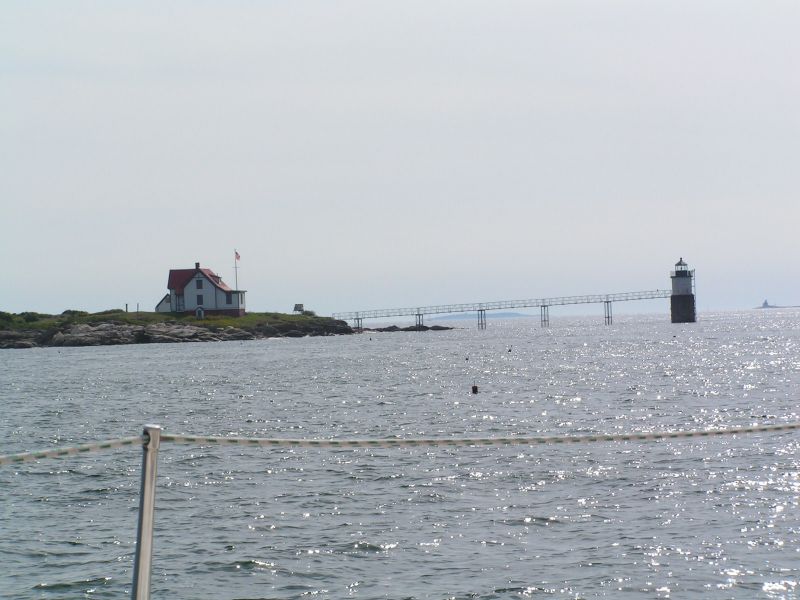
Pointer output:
234, 334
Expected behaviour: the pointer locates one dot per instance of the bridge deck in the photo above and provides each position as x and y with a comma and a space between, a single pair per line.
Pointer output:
478, 306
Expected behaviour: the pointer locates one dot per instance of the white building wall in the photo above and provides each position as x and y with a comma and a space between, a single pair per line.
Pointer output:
173, 301
164, 305
208, 292
237, 300
213, 297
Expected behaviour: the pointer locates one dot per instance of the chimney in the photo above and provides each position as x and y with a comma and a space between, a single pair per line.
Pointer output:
196, 265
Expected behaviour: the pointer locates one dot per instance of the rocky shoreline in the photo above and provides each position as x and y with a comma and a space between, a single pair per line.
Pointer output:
113, 334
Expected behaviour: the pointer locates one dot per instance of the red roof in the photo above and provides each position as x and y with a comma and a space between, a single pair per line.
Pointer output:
178, 278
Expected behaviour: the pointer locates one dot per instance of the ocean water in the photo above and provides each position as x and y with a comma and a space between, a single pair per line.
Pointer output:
705, 518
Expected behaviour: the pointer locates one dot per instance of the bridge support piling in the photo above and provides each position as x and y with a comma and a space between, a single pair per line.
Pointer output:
358, 325
420, 320
544, 312
481, 318
607, 312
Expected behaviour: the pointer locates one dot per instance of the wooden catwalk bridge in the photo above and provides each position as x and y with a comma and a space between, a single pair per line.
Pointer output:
480, 308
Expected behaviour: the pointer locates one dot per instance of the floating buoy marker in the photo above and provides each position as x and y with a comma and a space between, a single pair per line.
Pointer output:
474, 389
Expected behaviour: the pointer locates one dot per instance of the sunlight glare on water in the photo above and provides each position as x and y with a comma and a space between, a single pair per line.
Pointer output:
699, 518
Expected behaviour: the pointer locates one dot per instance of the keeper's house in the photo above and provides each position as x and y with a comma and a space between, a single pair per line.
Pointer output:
201, 292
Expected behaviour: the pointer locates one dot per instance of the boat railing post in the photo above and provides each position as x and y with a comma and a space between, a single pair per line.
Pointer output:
143, 561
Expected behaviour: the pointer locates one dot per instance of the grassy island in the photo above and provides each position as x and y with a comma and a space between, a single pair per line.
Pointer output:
108, 327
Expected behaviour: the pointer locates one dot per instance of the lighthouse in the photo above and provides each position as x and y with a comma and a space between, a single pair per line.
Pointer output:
681, 302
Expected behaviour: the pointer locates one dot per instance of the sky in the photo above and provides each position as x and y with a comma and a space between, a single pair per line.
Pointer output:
364, 155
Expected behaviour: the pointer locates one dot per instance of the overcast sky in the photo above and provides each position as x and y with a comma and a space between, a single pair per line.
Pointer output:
377, 154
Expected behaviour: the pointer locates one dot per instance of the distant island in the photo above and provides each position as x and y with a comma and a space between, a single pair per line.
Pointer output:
766, 304
116, 326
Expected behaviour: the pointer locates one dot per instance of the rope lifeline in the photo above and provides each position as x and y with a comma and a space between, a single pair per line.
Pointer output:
452, 442
394, 442
12, 459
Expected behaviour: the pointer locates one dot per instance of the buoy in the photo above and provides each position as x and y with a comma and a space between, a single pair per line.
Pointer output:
474, 389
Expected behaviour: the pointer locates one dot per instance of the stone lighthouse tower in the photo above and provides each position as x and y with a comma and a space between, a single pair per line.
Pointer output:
681, 302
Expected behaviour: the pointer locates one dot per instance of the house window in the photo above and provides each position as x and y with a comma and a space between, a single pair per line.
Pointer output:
199, 284
228, 297
199, 299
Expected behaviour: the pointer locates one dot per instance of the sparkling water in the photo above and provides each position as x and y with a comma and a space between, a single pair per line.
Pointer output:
696, 518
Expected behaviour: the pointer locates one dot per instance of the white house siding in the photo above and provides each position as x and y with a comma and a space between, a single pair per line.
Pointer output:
221, 297
190, 293
164, 306
213, 297
173, 301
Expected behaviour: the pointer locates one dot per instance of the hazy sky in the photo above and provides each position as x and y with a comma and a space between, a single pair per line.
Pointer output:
377, 154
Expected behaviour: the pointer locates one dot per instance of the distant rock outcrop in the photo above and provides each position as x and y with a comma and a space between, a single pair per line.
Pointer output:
393, 328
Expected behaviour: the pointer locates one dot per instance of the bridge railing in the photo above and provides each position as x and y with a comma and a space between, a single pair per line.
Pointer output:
501, 304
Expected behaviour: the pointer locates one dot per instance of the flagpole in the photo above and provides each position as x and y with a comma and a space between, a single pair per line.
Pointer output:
235, 270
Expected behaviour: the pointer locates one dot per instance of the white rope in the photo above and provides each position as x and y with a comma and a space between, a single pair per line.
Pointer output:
394, 442
11, 459
451, 442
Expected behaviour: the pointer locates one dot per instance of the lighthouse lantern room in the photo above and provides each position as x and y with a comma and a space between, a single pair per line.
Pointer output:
682, 302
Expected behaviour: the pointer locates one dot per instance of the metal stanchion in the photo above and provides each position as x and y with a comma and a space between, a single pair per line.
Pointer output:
142, 564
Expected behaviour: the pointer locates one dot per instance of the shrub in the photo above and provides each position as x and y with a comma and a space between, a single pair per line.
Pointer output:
30, 317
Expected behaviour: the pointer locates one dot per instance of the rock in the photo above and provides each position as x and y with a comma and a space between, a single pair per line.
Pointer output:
23, 344
173, 332
263, 330
19, 339
234, 334
393, 328
18, 343
294, 333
